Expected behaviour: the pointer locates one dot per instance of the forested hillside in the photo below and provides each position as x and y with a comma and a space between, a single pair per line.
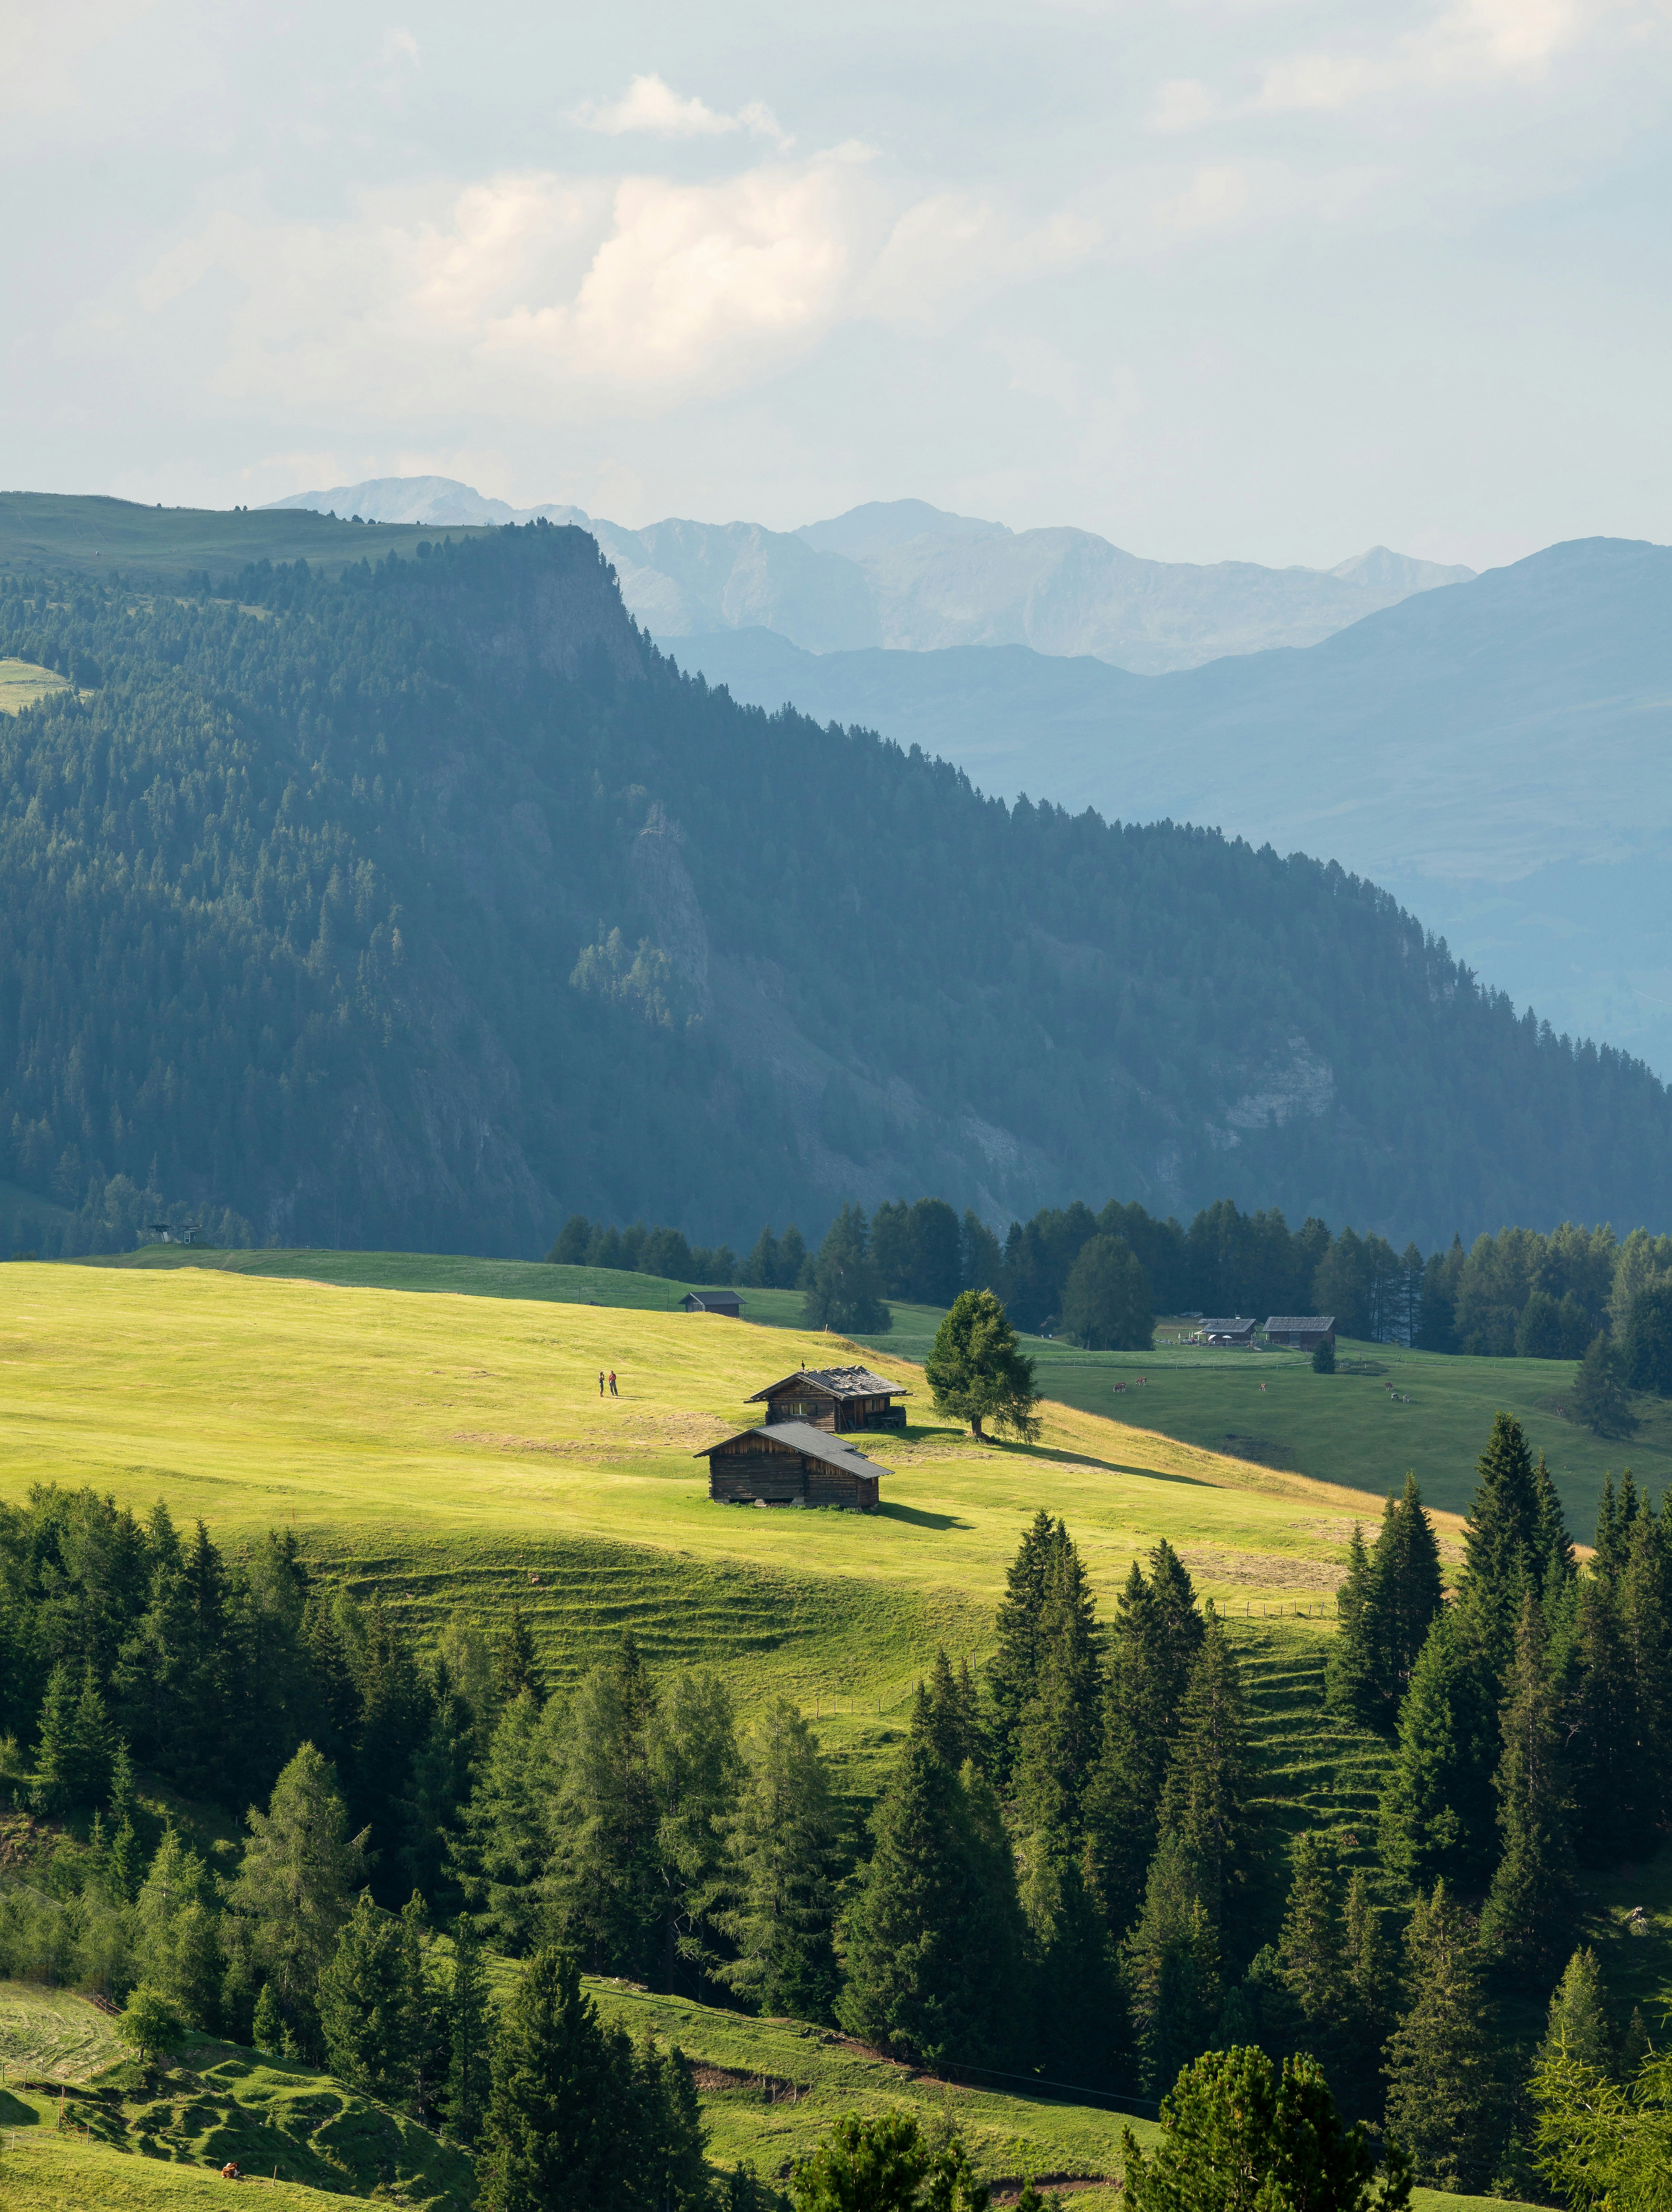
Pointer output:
424, 905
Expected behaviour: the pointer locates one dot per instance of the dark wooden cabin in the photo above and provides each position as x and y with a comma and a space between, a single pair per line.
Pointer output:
792, 1463
1229, 1329
835, 1397
1302, 1332
720, 1302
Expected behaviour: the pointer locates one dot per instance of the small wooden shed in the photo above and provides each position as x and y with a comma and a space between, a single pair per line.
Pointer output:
720, 1302
1302, 1332
792, 1463
835, 1397
1228, 1329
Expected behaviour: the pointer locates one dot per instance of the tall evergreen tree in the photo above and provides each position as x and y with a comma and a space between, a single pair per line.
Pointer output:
1056, 1741
606, 1869
1203, 1799
784, 1854
1313, 1947
1014, 1666
1646, 1618
507, 1827
1504, 1543
557, 2131
1530, 1906
1155, 1638
978, 1372
1609, 1756
372, 2011
469, 2037
951, 1713
1577, 2028
516, 1663
671, 2137
1409, 1561
1437, 1816
1170, 1966
291, 1893
696, 1772
1443, 2091
933, 1931
176, 1931
55, 1763
1558, 1564
1354, 1675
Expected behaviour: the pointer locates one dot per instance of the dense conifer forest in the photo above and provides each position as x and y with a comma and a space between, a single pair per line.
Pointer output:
427, 904
1077, 1868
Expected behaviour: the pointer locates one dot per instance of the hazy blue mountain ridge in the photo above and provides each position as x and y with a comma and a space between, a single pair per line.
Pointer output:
911, 577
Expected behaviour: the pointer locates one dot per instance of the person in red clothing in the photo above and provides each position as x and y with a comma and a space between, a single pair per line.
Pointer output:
614, 1393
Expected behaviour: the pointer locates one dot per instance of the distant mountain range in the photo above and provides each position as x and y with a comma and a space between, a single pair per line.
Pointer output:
1496, 753
904, 576
1493, 749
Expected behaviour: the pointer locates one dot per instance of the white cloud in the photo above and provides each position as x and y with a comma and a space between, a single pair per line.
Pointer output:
530, 290
400, 44
651, 106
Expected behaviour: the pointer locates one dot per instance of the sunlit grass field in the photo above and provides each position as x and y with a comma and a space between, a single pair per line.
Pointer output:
22, 683
450, 1449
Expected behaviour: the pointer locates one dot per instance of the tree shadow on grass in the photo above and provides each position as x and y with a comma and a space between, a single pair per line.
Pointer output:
1105, 1465
919, 1519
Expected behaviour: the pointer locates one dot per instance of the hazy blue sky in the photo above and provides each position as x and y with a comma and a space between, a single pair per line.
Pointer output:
1229, 277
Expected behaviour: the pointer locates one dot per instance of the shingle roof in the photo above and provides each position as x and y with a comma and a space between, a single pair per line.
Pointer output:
1299, 1324
840, 1382
816, 1444
1219, 1325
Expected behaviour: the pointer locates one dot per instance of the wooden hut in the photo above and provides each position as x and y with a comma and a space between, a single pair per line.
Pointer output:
792, 1463
834, 1398
718, 1301
1302, 1332
1228, 1329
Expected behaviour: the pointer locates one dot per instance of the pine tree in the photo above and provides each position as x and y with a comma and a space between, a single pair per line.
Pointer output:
1170, 1967
1530, 1906
291, 1894
672, 2174
1076, 2033
784, 1840
1634, 2046
1578, 2029
1370, 1984
1410, 1586
1646, 1618
977, 1371
176, 1932
695, 1773
1610, 1760
1599, 1397
1236, 2135
933, 1931
55, 1755
507, 1827
1313, 1946
1437, 1817
1203, 1797
515, 1661
470, 2037
1503, 1543
268, 2032
438, 1788
1554, 1547
1442, 2087
1056, 1741
369, 2017
1014, 1666
605, 1867
1353, 1676
845, 1290
952, 1714
332, 1696
1155, 1638
95, 1743
557, 2131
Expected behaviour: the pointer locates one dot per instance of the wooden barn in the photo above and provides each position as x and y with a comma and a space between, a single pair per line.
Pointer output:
720, 1302
792, 1463
1302, 1332
835, 1397
1228, 1329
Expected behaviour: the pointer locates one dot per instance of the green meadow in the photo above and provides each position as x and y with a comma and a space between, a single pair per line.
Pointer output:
22, 683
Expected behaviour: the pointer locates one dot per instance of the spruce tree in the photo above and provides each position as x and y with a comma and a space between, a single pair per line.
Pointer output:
371, 2016
952, 1713
1599, 1397
1312, 1947
1505, 1542
516, 1665
1170, 1967
557, 2131
291, 1894
469, 2038
507, 1827
696, 1771
1578, 2029
1443, 2091
671, 2173
1056, 1740
1437, 1817
1558, 1564
55, 1754
1610, 1758
784, 1849
1530, 1906
438, 1788
605, 1869
977, 1371
95, 1742
1014, 1666
1353, 1679
1408, 1561
1645, 1617
1203, 1799
268, 2032
933, 1931
1371, 1987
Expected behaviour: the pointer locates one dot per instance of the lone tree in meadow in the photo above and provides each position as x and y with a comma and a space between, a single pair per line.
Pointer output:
1599, 1397
978, 1372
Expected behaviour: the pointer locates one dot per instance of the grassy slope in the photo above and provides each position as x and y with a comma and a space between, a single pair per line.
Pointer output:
1340, 1428
42, 530
22, 683
446, 1446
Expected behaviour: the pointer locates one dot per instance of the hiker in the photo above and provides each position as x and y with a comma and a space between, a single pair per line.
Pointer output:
600, 1382
614, 1393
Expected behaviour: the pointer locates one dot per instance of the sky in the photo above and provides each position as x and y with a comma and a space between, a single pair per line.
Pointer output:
1257, 279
